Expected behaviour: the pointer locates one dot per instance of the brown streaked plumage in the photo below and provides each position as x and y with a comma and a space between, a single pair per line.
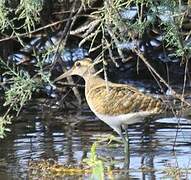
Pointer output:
121, 100
115, 104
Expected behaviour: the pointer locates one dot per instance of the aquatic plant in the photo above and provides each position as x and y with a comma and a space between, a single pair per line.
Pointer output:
52, 169
96, 165
173, 171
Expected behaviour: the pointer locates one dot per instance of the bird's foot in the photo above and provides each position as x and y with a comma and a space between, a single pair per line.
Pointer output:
110, 138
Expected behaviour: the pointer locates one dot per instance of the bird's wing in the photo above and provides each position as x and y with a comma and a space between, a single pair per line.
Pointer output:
121, 99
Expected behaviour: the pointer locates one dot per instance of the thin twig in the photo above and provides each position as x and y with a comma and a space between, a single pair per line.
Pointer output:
178, 96
71, 85
63, 40
32, 32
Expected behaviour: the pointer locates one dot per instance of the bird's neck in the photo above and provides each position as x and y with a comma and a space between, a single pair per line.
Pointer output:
91, 81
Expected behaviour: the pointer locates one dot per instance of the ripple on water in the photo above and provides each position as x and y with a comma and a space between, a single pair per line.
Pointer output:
151, 146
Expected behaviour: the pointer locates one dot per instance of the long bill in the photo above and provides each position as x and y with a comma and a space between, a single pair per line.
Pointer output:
66, 74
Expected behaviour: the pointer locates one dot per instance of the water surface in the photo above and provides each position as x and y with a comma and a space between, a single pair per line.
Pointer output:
43, 133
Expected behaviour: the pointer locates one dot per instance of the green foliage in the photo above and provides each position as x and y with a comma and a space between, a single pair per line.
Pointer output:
21, 87
4, 121
115, 29
29, 10
3, 15
96, 164
172, 20
26, 10
172, 38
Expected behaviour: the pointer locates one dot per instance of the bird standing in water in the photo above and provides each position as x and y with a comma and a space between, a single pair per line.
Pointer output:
118, 105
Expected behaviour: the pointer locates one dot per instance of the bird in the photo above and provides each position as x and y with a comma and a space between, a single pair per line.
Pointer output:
118, 105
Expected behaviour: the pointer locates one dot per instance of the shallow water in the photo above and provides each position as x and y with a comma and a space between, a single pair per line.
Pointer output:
43, 133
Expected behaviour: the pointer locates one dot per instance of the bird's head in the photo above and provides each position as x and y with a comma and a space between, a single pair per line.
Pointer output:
81, 68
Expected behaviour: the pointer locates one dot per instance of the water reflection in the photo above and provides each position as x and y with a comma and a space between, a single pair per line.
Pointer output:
67, 138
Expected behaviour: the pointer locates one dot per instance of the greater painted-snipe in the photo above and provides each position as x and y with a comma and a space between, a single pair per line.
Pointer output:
118, 105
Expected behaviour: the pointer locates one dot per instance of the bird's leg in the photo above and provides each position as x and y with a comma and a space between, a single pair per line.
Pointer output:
127, 137
126, 146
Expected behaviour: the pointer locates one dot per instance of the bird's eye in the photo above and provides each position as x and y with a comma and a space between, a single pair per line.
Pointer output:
78, 64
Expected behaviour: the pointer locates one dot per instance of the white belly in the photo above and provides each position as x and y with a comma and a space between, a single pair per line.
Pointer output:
116, 121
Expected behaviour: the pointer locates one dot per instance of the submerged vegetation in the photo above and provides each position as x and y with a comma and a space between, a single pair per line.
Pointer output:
50, 168
95, 167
